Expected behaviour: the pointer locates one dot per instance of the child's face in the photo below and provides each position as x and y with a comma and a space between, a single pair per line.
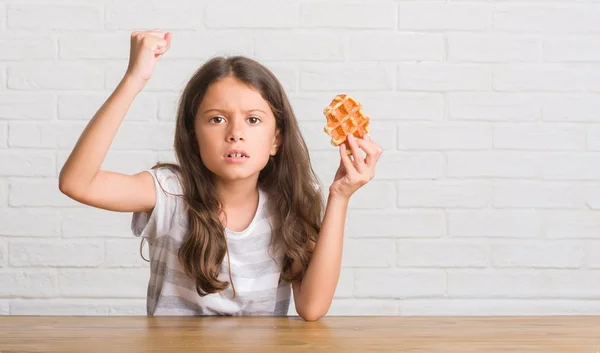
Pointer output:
233, 115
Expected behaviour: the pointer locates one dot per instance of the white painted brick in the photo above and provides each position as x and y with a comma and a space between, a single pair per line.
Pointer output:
27, 163
444, 136
38, 193
495, 223
438, 15
3, 254
167, 106
133, 15
127, 307
539, 284
441, 253
299, 46
102, 283
347, 15
535, 77
504, 164
27, 106
3, 193
398, 46
55, 17
28, 283
568, 224
286, 74
3, 135
2, 16
334, 77
572, 48
325, 165
492, 107
374, 195
206, 45
144, 136
592, 192
538, 254
526, 194
4, 308
69, 253
243, 14
497, 307
593, 254
166, 156
366, 253
593, 138
168, 74
55, 76
84, 45
547, 137
83, 106
399, 283
382, 133
409, 165
547, 19
32, 222
345, 285
493, 48
119, 161
459, 194
125, 253
443, 77
94, 222
570, 166
27, 47
59, 307
363, 307
395, 224
571, 108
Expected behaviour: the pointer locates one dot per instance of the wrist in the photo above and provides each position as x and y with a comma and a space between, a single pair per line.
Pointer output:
133, 82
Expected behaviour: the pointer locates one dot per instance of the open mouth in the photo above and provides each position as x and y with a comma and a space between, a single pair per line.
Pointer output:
236, 155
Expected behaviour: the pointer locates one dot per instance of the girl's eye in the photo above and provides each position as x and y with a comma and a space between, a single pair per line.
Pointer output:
254, 120
217, 117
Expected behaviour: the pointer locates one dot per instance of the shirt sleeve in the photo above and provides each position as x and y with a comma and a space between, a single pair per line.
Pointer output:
160, 220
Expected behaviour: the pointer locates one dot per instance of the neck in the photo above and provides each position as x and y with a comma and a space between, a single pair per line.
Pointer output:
236, 192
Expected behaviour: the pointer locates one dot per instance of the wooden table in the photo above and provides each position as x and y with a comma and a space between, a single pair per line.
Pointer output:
292, 334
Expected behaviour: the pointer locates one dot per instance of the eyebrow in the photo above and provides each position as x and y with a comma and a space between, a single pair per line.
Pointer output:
224, 111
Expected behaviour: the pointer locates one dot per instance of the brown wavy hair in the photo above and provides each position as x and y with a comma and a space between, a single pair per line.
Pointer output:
293, 189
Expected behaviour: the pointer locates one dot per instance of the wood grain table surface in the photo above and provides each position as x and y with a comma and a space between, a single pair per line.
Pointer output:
292, 334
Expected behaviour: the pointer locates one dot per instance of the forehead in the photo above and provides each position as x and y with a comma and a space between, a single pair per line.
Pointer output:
231, 94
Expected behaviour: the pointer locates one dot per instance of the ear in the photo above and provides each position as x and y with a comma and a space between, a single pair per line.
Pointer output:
276, 142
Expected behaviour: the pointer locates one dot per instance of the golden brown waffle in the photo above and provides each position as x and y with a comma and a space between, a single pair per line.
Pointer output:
344, 116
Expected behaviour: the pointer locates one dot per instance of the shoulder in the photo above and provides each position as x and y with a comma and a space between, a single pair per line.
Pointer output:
167, 179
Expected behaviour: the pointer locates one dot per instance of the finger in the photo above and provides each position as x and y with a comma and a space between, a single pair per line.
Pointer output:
358, 159
168, 37
372, 150
345, 160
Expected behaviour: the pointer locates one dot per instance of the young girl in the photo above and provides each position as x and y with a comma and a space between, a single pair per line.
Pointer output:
238, 223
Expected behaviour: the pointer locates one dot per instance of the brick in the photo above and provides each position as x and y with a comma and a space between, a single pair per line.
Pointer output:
83, 106
439, 15
526, 194
443, 77
548, 137
365, 253
56, 253
592, 192
55, 17
547, 19
299, 46
127, 307
168, 75
495, 223
536, 77
395, 224
358, 16
167, 106
102, 283
497, 164
345, 286
28, 283
593, 138
572, 224
444, 136
457, 194
3, 193
131, 16
399, 283
493, 48
38, 193
55, 76
492, 107
287, 75
125, 253
76, 223
27, 106
242, 14
570, 166
3, 254
30, 222
94, 46
27, 47
3, 135
538, 254
538, 284
4, 308
399, 46
571, 108
441, 253
26, 163
374, 195
333, 77
572, 48
382, 133
593, 254
363, 307
59, 307
185, 45
410, 165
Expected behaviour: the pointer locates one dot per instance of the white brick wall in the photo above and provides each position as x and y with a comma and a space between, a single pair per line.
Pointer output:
486, 200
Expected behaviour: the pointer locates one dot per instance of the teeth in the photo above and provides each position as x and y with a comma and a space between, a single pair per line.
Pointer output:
237, 155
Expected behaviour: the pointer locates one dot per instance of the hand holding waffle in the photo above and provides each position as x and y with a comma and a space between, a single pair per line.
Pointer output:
349, 129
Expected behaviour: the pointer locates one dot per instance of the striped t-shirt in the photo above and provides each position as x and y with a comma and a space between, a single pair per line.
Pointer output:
255, 267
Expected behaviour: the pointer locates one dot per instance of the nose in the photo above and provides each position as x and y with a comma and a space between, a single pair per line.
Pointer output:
235, 130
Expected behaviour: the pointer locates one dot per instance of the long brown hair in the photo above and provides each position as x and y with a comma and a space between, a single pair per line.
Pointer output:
295, 200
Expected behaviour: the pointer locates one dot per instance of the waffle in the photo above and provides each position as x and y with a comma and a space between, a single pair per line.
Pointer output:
344, 116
